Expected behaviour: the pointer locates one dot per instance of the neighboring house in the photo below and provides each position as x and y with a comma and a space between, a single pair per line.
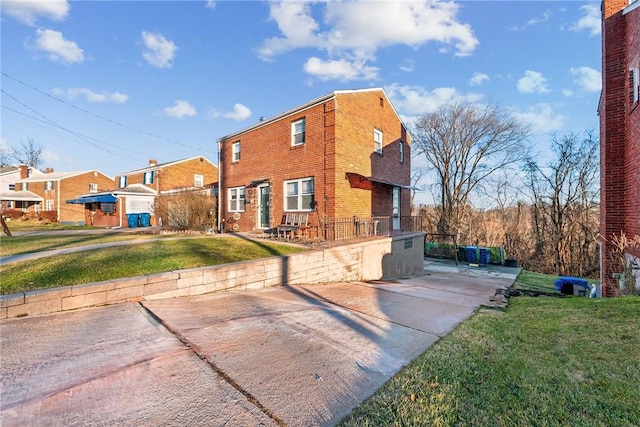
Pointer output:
619, 112
344, 155
109, 208
10, 196
163, 179
54, 188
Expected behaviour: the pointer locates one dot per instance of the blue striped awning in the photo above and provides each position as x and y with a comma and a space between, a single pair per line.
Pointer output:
106, 198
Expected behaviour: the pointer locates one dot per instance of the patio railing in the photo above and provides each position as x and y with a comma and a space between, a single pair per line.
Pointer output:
346, 228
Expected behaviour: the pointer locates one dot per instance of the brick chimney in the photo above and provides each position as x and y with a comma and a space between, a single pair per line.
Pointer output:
24, 171
153, 162
48, 170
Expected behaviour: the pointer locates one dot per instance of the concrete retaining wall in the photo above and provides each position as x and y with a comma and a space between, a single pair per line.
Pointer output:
370, 260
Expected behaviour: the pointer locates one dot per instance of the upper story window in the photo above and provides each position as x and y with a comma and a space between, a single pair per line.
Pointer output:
235, 152
401, 151
122, 181
299, 195
236, 199
25, 186
12, 187
634, 82
298, 132
198, 181
93, 187
48, 185
377, 141
148, 177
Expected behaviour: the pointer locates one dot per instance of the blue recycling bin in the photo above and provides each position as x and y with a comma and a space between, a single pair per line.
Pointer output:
132, 220
484, 256
568, 285
145, 220
471, 254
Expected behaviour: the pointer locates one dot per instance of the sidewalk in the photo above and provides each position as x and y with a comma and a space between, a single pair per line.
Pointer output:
288, 355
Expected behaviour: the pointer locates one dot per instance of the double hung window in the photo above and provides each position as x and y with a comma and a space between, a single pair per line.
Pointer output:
299, 194
298, 132
235, 152
377, 141
236, 199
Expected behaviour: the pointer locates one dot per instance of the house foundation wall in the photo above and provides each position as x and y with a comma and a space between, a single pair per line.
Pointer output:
376, 259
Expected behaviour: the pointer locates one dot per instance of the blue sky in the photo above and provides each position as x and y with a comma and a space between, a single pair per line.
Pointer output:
109, 85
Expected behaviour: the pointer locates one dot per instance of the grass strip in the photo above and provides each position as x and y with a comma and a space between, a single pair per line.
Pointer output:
543, 362
126, 261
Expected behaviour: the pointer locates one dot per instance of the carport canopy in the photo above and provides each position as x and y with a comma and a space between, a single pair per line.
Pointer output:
106, 198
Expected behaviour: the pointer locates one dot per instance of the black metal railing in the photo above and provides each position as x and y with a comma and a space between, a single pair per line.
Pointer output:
347, 228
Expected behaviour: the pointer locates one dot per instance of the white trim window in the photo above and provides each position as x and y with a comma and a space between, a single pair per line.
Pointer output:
377, 141
148, 178
198, 181
236, 199
49, 203
299, 195
634, 81
93, 187
122, 181
48, 185
235, 152
298, 132
401, 151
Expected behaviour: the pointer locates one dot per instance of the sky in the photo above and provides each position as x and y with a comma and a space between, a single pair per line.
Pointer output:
109, 85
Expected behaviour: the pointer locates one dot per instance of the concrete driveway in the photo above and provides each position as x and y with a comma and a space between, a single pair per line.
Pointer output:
296, 356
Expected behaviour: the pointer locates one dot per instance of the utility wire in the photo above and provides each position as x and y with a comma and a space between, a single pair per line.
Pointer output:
101, 117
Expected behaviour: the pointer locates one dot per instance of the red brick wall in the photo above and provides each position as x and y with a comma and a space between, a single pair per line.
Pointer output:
619, 128
339, 139
178, 175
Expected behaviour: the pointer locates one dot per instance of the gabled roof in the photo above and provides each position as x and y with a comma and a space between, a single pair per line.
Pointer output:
309, 105
58, 176
162, 165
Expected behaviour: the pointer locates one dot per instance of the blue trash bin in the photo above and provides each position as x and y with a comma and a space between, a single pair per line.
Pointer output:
471, 254
568, 285
484, 256
132, 220
145, 220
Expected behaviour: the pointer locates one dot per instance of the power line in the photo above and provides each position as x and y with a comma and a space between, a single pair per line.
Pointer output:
101, 117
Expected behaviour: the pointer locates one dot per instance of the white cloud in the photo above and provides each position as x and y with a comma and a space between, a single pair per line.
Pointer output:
542, 118
91, 96
416, 100
240, 112
591, 21
587, 78
567, 93
28, 11
536, 20
353, 31
341, 69
159, 51
58, 49
478, 78
532, 82
181, 108
49, 156
211, 4
408, 65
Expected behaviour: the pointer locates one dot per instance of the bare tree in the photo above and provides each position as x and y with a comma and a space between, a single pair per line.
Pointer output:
416, 175
29, 153
565, 198
465, 144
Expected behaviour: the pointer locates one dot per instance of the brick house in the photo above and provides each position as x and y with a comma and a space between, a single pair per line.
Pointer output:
346, 154
138, 188
619, 112
56, 187
12, 198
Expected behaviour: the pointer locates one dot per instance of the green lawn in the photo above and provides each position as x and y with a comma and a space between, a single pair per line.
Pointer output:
544, 361
134, 260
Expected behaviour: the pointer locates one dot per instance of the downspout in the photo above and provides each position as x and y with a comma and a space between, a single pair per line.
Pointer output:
119, 213
220, 229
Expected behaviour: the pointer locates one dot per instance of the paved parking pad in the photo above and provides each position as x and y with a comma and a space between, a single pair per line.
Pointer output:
288, 355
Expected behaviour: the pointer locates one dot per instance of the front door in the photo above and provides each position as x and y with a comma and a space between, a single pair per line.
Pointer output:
264, 219
396, 208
